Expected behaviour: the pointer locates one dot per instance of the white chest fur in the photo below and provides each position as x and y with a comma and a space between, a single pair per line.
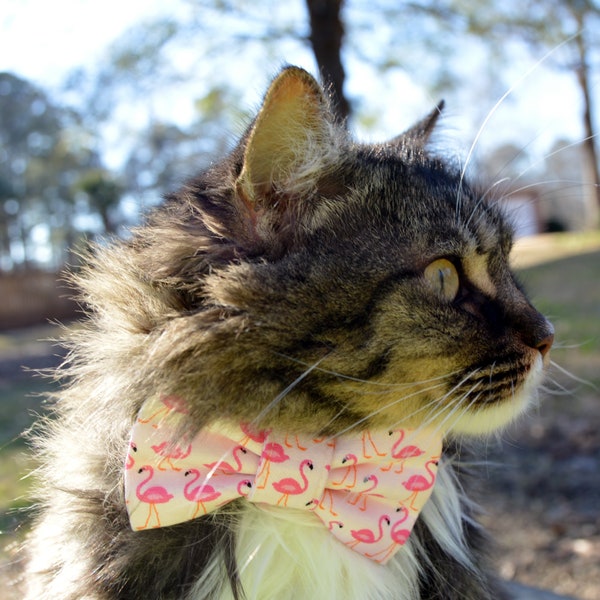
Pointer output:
285, 554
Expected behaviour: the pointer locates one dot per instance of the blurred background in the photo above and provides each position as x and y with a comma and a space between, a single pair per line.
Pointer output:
104, 107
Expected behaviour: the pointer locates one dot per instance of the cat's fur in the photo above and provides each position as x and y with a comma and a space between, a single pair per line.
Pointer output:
285, 286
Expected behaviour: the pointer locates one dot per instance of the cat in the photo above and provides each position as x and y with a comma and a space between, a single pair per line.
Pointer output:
306, 291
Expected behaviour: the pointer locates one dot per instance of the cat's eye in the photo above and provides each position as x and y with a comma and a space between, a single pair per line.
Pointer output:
442, 277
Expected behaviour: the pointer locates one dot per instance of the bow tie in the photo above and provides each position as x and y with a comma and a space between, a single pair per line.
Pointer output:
367, 488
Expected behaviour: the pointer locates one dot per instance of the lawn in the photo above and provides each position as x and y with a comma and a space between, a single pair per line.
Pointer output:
21, 396
563, 280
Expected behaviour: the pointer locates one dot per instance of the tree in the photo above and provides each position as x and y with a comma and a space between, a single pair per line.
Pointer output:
326, 37
42, 152
104, 194
550, 26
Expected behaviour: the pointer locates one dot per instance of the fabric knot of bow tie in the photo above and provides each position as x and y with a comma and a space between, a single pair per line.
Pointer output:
367, 488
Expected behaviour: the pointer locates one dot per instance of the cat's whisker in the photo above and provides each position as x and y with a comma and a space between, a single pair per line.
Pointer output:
484, 197
384, 408
518, 154
335, 417
384, 384
572, 376
561, 345
490, 379
551, 182
386, 391
437, 402
395, 386
493, 110
551, 154
559, 390
460, 406
251, 556
441, 407
285, 392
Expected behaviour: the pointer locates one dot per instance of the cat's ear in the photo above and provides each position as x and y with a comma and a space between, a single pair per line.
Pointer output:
289, 145
420, 133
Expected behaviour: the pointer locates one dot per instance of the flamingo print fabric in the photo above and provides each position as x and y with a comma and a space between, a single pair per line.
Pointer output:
367, 488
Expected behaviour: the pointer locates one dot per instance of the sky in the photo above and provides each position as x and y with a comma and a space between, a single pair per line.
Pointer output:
43, 41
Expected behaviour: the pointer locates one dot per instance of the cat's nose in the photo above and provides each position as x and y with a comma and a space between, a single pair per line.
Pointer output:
545, 338
545, 345
536, 331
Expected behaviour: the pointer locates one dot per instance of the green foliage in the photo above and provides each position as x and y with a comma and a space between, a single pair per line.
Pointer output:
42, 151
104, 194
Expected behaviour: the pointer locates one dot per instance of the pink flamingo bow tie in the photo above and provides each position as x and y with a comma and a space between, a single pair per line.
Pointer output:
367, 489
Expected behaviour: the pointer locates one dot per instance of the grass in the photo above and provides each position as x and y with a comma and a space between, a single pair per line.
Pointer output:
563, 279
567, 291
19, 402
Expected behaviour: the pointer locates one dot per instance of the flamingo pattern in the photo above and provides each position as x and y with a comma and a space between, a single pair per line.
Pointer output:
354, 484
289, 485
271, 452
223, 467
169, 454
350, 471
200, 494
418, 483
151, 495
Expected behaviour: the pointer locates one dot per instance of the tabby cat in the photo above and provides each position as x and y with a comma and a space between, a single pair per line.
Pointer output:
305, 296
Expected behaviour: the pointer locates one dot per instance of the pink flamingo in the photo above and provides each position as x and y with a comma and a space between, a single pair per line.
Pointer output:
169, 452
130, 462
366, 437
404, 453
272, 452
152, 495
350, 469
419, 483
246, 483
171, 404
256, 436
222, 467
399, 537
367, 536
290, 486
364, 494
199, 493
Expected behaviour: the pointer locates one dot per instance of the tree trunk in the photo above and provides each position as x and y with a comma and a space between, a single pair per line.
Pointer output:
326, 35
589, 145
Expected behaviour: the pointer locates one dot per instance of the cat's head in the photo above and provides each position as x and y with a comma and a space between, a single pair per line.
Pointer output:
317, 284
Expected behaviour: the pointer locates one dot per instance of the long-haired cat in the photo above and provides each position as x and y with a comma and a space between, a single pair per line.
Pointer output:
308, 296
